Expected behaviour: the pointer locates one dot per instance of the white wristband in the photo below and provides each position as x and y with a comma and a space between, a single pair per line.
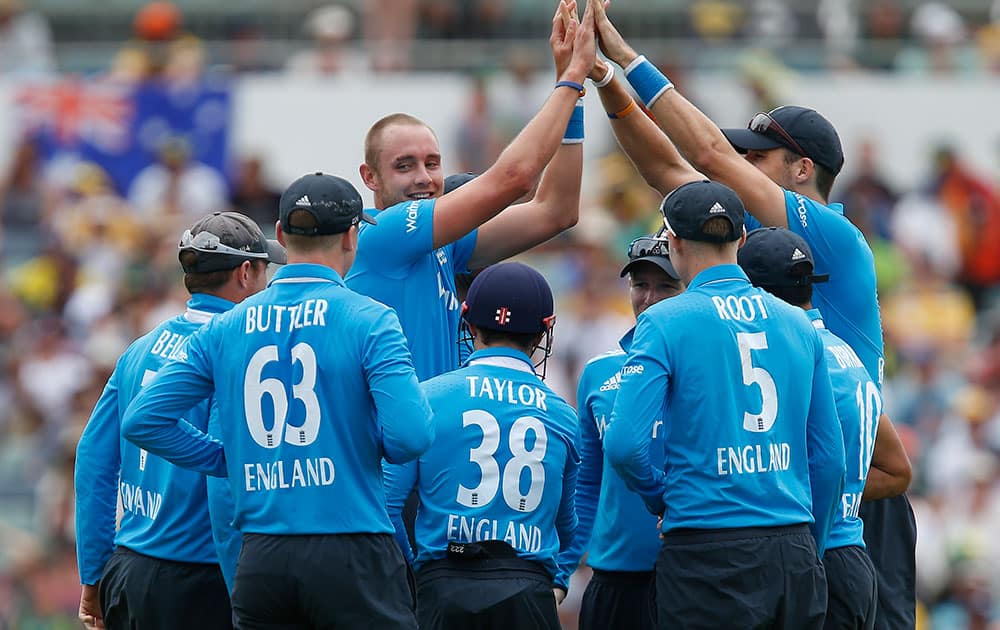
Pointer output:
607, 77
635, 64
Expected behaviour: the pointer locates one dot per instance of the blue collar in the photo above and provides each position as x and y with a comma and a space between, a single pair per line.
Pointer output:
202, 306
504, 357
305, 272
626, 341
815, 317
719, 273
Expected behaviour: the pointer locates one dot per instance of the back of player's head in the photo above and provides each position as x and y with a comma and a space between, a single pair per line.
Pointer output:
509, 297
319, 204
780, 262
704, 211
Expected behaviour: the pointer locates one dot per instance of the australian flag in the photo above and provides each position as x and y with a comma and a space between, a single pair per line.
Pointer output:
121, 126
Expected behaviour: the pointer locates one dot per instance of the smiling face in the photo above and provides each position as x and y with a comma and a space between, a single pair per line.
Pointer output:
407, 165
648, 284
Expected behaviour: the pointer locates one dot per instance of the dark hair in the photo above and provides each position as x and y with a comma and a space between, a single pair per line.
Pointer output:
719, 227
824, 178
796, 296
523, 341
305, 220
208, 281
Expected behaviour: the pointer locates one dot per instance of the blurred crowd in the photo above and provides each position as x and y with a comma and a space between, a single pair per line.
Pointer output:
87, 267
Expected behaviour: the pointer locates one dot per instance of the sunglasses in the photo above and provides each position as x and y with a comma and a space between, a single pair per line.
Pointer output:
210, 243
649, 246
763, 124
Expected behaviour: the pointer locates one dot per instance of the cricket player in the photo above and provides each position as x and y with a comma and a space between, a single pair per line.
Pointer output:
315, 386
497, 486
162, 553
754, 461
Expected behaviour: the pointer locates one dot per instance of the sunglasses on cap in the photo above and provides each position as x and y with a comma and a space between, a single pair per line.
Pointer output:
763, 124
649, 246
207, 242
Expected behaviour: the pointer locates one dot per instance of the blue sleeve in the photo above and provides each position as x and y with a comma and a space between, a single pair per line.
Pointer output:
404, 416
462, 251
399, 480
222, 512
825, 444
588, 486
153, 419
751, 222
639, 403
97, 468
566, 518
404, 233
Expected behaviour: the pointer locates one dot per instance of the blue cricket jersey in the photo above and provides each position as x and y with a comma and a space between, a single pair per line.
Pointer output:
614, 521
859, 405
503, 465
315, 386
750, 427
222, 512
165, 507
849, 301
397, 265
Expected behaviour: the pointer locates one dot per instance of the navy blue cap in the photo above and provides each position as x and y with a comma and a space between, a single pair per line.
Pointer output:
688, 207
223, 240
777, 257
457, 180
807, 128
509, 297
653, 249
333, 202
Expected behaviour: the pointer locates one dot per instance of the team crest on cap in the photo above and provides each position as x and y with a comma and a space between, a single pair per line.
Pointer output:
717, 209
503, 316
797, 254
303, 201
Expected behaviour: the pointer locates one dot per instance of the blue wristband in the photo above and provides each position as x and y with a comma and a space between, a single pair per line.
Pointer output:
647, 81
573, 84
574, 129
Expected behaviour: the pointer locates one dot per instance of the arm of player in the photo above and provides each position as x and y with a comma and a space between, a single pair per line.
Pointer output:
222, 511
890, 471
153, 418
566, 518
699, 139
403, 415
98, 462
399, 481
825, 445
515, 171
588, 486
640, 400
650, 150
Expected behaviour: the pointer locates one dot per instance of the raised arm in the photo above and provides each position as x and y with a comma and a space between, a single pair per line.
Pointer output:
698, 138
650, 150
518, 167
890, 472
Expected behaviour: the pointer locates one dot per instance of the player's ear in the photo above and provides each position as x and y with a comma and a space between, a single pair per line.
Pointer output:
349, 239
804, 170
278, 234
368, 176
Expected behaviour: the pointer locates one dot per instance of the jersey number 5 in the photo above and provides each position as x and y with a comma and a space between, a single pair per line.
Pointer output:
255, 388
764, 420
490, 477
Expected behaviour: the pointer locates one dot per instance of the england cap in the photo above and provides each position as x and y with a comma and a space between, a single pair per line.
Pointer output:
509, 297
333, 203
223, 240
457, 180
777, 257
652, 249
690, 206
800, 129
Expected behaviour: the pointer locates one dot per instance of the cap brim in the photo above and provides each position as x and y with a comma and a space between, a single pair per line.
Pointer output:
659, 261
745, 140
367, 218
276, 253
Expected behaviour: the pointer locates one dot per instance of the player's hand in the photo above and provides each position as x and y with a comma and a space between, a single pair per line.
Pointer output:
568, 22
584, 49
560, 594
613, 45
599, 70
90, 607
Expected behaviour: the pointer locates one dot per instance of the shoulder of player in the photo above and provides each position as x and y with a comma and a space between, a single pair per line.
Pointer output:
407, 211
605, 360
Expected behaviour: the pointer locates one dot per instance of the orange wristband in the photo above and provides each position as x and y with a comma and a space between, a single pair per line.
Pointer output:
625, 111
